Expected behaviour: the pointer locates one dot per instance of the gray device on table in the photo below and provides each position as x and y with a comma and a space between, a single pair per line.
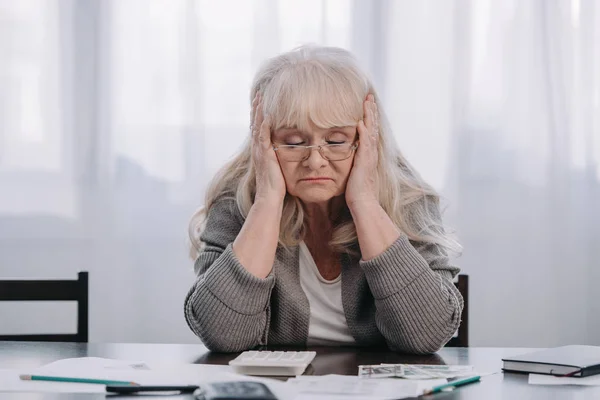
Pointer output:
234, 390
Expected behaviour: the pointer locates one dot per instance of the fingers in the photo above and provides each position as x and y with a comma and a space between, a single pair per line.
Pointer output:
367, 113
375, 116
371, 114
371, 119
362, 129
364, 143
258, 121
264, 136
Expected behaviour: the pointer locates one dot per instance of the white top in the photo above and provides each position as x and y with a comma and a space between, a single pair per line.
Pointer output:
327, 326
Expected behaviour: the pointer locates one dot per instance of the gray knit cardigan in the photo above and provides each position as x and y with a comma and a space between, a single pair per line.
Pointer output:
403, 298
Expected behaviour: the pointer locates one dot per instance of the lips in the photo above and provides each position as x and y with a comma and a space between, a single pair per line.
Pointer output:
316, 179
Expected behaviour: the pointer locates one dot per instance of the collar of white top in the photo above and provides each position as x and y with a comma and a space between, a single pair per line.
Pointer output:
313, 266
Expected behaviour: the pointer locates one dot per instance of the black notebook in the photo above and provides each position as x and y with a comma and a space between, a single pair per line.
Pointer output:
577, 361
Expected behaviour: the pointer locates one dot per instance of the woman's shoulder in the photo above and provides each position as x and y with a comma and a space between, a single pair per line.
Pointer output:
223, 222
225, 209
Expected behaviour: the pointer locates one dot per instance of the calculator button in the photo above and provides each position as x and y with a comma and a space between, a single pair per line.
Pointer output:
276, 355
249, 355
263, 355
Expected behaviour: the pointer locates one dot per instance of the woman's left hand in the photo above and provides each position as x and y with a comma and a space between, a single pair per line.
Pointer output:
362, 186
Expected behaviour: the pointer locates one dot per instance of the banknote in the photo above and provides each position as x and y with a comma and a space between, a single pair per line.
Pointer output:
413, 371
380, 371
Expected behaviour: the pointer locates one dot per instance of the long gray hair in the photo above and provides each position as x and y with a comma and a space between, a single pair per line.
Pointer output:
325, 86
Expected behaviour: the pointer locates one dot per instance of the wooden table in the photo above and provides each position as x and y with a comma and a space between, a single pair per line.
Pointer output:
328, 361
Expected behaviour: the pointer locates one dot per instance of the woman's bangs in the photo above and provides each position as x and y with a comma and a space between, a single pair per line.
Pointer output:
304, 98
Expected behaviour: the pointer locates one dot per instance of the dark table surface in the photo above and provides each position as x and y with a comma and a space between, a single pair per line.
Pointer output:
343, 361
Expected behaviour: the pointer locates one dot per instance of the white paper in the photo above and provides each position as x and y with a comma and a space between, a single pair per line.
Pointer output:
334, 387
10, 382
92, 363
538, 379
135, 371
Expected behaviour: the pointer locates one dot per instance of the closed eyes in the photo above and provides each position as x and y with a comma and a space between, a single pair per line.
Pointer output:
304, 143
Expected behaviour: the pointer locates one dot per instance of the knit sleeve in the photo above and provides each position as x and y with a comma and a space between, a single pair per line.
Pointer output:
227, 306
418, 307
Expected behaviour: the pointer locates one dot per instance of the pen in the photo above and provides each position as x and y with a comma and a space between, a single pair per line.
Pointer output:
122, 389
453, 384
74, 380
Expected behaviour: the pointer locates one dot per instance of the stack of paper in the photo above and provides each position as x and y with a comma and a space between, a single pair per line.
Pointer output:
136, 371
537, 379
337, 387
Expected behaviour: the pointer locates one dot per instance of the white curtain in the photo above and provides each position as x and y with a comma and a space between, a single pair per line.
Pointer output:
115, 114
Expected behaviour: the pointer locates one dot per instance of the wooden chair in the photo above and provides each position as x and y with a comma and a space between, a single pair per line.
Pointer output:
50, 290
462, 338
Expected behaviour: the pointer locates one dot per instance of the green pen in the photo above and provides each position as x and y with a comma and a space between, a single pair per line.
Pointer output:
74, 380
453, 384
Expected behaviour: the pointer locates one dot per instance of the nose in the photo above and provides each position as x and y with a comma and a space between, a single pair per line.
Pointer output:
315, 160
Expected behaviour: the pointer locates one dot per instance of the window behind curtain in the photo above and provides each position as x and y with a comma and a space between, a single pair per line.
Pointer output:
34, 148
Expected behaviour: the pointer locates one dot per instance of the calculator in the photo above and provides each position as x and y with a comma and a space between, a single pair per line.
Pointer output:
272, 363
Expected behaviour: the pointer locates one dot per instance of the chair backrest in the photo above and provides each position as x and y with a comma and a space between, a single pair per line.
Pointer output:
462, 339
50, 290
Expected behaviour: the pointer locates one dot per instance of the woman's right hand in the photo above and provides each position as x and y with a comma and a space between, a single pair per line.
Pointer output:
270, 184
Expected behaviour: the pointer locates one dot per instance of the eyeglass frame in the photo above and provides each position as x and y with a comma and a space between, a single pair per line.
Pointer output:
319, 147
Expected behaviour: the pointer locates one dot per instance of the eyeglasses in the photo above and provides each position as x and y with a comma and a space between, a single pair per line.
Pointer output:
330, 152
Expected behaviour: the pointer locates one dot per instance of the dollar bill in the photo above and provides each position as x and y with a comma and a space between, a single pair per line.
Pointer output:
412, 371
380, 371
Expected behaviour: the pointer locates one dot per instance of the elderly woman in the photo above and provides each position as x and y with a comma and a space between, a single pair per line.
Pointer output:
319, 232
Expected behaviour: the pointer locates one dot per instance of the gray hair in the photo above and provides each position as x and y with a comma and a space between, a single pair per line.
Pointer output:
325, 86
